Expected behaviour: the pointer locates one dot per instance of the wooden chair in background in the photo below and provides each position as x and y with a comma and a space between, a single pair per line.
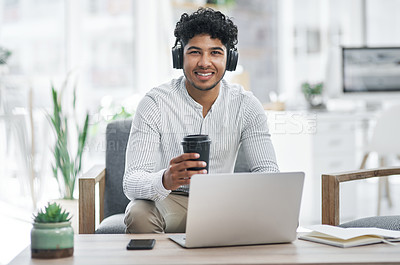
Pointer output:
331, 195
385, 142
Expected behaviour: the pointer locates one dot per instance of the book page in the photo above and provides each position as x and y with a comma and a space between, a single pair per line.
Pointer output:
357, 241
347, 233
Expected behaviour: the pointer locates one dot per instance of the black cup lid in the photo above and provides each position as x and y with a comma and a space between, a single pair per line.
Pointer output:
196, 137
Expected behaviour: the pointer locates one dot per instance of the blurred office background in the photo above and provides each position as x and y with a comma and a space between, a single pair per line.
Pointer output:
114, 51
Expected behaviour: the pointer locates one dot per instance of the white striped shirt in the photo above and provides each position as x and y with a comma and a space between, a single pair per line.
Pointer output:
168, 113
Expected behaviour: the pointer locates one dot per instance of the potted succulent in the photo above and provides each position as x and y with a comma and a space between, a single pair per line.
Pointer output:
52, 235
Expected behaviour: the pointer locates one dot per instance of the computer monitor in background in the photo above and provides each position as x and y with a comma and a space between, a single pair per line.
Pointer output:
371, 73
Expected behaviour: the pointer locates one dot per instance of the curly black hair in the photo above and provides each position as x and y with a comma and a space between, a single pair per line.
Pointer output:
208, 21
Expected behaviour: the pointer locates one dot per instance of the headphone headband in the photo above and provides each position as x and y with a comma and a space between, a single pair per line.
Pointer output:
177, 56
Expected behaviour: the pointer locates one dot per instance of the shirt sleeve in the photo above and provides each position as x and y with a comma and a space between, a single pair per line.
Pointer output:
140, 181
255, 137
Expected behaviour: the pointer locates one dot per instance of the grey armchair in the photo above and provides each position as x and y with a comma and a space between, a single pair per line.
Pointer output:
112, 201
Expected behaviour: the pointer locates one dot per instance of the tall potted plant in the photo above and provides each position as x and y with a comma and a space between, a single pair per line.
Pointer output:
67, 163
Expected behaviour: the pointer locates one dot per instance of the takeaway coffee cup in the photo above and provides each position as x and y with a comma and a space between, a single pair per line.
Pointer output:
197, 143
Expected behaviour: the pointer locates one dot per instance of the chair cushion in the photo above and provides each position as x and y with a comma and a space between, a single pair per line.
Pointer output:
117, 135
385, 222
113, 224
241, 164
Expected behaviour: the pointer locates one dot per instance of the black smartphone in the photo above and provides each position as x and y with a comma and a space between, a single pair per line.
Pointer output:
141, 244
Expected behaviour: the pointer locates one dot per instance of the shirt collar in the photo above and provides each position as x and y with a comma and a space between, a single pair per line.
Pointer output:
198, 105
188, 97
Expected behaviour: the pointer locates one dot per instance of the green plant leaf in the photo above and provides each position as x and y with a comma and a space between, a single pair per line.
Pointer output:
66, 166
52, 214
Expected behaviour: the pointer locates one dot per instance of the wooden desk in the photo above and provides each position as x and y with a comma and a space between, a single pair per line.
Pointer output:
111, 249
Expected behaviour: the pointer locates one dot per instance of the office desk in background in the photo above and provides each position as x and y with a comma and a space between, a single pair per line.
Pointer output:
317, 142
111, 249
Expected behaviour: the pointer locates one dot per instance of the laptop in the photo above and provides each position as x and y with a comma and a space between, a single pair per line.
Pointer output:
242, 209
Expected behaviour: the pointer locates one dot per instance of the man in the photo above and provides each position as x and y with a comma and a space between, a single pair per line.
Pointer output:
156, 178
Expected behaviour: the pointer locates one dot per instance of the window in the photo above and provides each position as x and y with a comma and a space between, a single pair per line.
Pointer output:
48, 39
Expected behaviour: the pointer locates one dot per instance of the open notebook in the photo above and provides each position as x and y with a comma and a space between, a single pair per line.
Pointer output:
350, 237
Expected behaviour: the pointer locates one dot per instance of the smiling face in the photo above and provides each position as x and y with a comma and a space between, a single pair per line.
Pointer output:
204, 62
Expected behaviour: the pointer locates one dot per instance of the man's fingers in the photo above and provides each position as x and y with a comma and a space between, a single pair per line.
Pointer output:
188, 164
186, 174
174, 178
184, 182
178, 174
189, 173
183, 157
185, 179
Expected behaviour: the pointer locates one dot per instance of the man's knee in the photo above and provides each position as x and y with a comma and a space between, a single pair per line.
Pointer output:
142, 216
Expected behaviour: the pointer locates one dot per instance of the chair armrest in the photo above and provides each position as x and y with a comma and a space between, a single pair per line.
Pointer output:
87, 211
331, 192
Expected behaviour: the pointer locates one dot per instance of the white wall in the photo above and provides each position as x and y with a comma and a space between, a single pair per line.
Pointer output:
383, 22
338, 23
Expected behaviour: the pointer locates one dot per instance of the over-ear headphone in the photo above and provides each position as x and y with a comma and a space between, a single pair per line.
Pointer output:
177, 57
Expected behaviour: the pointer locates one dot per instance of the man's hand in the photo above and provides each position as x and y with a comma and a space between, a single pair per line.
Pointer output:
177, 174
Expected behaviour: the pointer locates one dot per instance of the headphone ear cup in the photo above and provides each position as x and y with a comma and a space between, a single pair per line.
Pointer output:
177, 55
232, 59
